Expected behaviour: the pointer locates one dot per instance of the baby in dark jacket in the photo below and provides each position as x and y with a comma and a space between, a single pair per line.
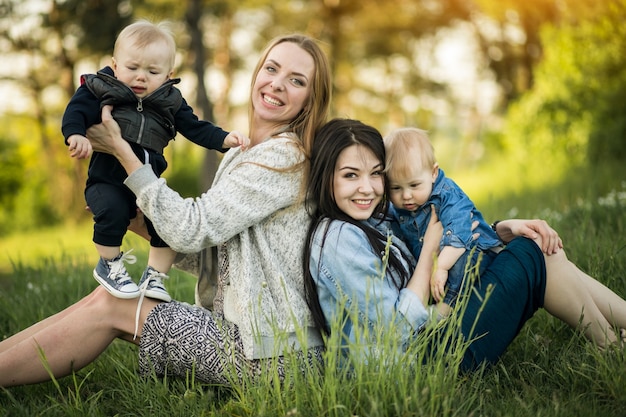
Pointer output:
150, 111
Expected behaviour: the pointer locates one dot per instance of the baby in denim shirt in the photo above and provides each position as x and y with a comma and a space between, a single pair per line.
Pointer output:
416, 183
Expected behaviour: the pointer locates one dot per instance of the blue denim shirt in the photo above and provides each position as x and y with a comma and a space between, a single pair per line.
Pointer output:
455, 211
350, 280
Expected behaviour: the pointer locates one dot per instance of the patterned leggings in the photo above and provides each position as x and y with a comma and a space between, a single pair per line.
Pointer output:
178, 339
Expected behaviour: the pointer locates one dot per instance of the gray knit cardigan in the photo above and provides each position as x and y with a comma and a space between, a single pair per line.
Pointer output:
259, 214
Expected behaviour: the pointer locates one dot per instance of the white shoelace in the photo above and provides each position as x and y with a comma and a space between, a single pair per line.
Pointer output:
117, 266
153, 275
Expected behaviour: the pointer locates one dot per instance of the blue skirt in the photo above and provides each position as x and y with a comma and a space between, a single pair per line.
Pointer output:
518, 278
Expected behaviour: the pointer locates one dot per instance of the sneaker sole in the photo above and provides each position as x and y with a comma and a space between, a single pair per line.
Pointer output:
114, 292
158, 295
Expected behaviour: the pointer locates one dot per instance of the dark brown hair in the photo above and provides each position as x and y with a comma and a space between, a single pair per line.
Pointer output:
332, 139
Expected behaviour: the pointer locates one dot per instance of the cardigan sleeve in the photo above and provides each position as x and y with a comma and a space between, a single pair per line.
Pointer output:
252, 185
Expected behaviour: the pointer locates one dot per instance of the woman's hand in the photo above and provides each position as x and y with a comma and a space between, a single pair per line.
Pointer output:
421, 279
106, 137
551, 243
138, 225
103, 136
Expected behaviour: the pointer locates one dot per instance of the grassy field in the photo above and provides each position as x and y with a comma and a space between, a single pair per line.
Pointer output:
548, 370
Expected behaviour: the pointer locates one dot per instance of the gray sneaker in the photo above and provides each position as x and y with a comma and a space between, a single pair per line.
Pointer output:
151, 283
114, 278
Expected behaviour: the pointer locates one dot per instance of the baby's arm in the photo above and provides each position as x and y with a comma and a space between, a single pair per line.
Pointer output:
79, 146
234, 139
447, 257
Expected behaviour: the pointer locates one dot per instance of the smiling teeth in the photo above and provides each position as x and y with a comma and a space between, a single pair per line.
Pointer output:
362, 201
271, 101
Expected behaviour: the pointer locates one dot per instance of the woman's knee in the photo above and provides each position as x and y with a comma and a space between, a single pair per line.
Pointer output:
555, 260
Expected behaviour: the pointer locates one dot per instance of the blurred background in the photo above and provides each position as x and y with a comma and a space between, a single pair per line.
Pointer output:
518, 95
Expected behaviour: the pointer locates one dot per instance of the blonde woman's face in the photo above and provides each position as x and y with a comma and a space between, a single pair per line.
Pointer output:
283, 84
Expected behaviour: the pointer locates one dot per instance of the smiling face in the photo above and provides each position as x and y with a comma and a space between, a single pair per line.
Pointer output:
411, 191
358, 182
282, 85
143, 69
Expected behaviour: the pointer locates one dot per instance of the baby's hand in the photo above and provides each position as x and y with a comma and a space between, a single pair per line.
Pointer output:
438, 284
235, 139
79, 147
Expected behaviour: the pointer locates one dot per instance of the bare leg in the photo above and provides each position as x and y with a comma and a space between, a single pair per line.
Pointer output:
27, 333
69, 340
579, 300
612, 306
161, 259
108, 252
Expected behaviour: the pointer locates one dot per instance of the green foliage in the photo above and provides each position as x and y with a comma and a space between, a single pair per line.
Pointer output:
25, 191
11, 172
576, 109
184, 167
34, 209
42, 186
93, 23
576, 105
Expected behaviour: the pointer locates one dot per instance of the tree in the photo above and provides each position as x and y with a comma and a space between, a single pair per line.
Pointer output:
511, 40
577, 103
50, 37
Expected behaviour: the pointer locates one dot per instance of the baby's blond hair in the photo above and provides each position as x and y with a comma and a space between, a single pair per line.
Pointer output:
405, 148
143, 33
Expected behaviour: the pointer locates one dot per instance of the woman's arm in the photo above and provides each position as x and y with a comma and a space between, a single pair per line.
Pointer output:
106, 137
250, 187
347, 273
258, 185
420, 281
448, 256
509, 229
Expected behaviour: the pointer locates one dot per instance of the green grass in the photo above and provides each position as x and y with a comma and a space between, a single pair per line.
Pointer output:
547, 371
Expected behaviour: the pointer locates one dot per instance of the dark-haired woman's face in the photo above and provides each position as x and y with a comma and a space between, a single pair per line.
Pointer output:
358, 182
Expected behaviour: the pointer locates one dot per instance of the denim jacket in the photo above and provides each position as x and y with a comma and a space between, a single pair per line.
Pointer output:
349, 279
456, 212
